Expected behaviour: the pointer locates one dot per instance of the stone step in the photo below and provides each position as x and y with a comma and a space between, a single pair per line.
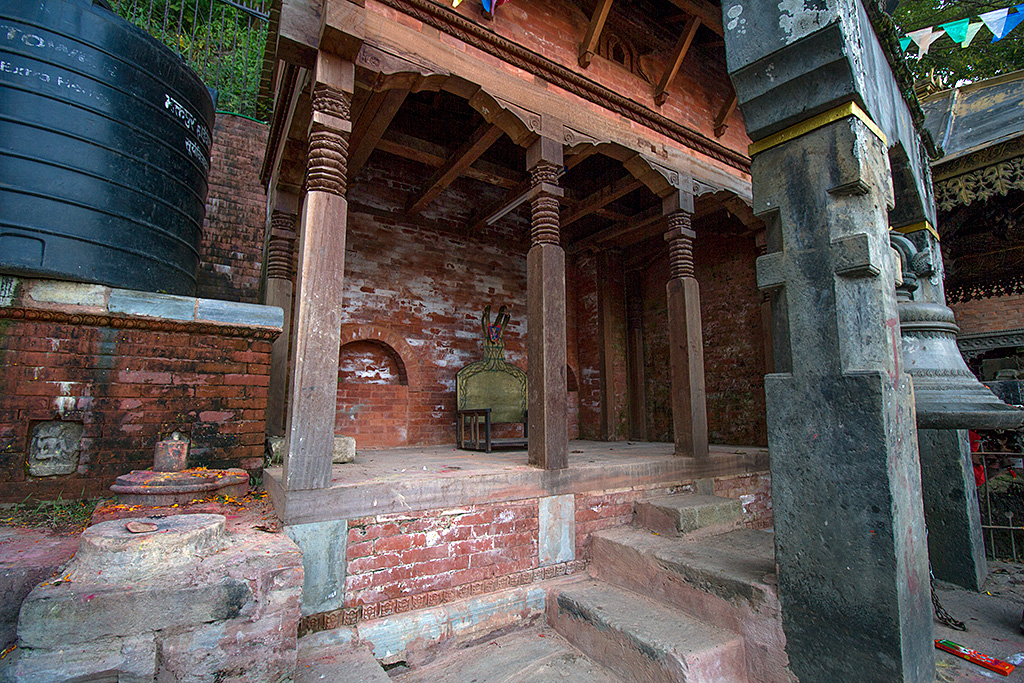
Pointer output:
534, 655
683, 514
641, 639
336, 656
727, 580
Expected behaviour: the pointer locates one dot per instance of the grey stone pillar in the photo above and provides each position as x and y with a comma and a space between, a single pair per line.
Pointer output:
955, 543
686, 341
280, 280
321, 281
850, 538
545, 303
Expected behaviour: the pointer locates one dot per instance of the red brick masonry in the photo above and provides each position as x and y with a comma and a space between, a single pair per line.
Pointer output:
131, 368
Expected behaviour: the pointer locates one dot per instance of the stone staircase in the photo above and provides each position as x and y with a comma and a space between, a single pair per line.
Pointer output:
684, 595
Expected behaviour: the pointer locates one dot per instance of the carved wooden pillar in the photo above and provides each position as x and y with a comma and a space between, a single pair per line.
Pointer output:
321, 279
686, 345
545, 287
611, 326
635, 356
280, 279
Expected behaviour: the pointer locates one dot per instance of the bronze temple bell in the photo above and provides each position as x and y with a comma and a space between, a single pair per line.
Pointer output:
947, 394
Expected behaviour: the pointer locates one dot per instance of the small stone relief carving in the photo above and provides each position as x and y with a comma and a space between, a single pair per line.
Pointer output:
54, 448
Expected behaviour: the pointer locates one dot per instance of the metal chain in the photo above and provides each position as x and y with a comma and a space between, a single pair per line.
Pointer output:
940, 612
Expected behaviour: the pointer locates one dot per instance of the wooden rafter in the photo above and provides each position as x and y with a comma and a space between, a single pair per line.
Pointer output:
678, 55
723, 115
479, 142
374, 119
515, 195
589, 45
603, 197
434, 155
708, 14
634, 223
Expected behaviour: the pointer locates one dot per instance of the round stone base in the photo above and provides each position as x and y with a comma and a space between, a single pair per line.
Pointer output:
146, 487
109, 552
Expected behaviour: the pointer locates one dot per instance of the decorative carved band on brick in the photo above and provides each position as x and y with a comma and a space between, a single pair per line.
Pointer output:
349, 616
544, 207
680, 245
331, 101
327, 164
136, 323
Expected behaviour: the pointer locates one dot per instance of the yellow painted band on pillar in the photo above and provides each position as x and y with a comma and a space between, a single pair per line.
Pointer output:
914, 227
814, 123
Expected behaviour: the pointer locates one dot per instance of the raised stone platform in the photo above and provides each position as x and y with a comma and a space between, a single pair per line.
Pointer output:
179, 599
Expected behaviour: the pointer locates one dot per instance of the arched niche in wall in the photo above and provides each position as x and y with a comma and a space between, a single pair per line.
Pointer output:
377, 373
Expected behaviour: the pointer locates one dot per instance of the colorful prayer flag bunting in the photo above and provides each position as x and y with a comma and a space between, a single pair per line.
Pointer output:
957, 30
924, 38
1012, 20
995, 20
904, 43
972, 31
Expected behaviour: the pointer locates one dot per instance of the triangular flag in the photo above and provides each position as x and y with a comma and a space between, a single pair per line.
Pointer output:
972, 31
924, 38
957, 30
995, 20
904, 43
1011, 23
487, 5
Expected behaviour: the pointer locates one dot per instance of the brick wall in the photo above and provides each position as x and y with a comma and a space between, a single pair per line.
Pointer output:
128, 382
990, 315
733, 349
418, 289
231, 251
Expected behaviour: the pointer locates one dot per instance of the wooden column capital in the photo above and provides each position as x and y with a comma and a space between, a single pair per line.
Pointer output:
680, 245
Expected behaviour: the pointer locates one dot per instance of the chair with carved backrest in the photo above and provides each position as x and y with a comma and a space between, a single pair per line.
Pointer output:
489, 392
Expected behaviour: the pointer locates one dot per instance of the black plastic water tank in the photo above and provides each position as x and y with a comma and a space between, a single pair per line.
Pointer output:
104, 150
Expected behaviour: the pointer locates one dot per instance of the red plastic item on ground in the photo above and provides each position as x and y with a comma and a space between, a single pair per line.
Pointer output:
990, 663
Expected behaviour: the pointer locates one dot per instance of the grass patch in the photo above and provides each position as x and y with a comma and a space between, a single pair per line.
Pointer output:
64, 516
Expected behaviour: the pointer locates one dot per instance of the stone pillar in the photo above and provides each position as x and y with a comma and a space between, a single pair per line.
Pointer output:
321, 279
686, 343
545, 294
761, 242
955, 543
280, 280
850, 539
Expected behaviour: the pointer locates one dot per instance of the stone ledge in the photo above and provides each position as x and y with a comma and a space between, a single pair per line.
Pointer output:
98, 305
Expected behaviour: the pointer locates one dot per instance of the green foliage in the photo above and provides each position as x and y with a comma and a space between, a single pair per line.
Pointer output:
946, 59
220, 41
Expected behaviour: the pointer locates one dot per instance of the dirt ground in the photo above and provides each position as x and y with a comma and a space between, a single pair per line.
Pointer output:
992, 618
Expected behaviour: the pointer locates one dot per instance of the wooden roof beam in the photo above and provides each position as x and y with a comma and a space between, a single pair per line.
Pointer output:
723, 115
678, 55
478, 143
369, 128
602, 198
433, 155
708, 14
632, 224
589, 45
